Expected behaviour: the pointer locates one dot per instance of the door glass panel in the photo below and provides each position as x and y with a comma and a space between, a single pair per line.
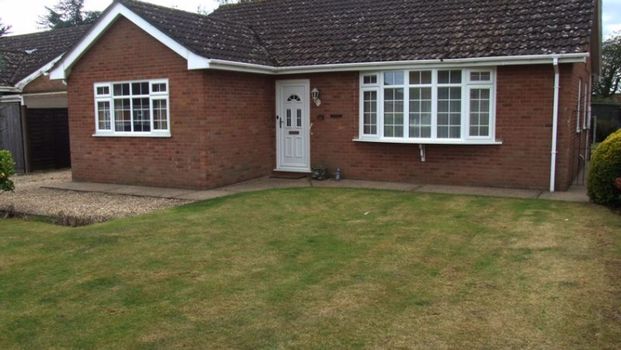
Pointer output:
288, 117
299, 118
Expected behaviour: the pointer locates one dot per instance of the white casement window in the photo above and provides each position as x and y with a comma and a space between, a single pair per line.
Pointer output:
133, 108
428, 106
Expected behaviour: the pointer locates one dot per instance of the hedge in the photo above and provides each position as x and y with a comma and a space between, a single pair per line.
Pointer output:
604, 171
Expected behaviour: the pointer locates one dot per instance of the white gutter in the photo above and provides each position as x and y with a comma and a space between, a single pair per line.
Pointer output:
555, 62
9, 89
12, 98
53, 93
365, 66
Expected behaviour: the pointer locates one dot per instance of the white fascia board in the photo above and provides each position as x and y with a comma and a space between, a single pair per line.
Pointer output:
39, 72
12, 99
369, 66
9, 89
60, 72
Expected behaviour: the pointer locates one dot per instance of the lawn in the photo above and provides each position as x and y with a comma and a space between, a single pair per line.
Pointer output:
319, 268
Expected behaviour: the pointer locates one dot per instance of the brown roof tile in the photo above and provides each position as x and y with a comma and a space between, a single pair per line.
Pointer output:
22, 55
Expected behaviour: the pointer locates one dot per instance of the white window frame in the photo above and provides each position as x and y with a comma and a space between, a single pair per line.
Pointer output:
110, 99
466, 85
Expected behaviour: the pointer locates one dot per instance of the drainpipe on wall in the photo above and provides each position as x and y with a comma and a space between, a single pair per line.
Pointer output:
554, 125
587, 148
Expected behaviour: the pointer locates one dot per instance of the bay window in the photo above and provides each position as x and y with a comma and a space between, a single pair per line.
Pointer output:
137, 108
428, 106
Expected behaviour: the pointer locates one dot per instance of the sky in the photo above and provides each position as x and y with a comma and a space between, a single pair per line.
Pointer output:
23, 15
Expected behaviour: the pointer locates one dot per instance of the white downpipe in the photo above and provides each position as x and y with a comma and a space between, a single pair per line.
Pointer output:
554, 125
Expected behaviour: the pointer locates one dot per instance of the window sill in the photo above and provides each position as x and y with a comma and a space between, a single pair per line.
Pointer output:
133, 134
429, 142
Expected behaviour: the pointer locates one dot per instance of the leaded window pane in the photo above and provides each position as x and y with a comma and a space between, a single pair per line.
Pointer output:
370, 112
393, 112
103, 115
122, 115
142, 114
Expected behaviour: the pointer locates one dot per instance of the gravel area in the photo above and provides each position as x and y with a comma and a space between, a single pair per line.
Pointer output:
73, 208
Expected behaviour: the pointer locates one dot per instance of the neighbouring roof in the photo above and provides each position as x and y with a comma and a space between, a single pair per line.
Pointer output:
285, 33
22, 55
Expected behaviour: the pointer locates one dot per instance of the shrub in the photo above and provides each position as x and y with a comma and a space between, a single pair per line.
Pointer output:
7, 169
604, 171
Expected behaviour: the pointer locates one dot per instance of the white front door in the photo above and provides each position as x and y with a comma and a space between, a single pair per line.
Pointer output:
293, 125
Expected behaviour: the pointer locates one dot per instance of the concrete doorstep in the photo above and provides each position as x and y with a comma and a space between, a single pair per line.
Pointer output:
575, 194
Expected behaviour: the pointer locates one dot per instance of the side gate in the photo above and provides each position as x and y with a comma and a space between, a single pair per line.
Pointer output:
11, 133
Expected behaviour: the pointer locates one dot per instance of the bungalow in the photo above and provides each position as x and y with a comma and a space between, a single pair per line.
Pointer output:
468, 92
33, 108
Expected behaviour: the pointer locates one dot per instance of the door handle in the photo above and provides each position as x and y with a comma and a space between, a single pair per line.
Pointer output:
279, 122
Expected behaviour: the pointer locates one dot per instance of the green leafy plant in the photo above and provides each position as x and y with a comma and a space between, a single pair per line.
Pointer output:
7, 169
605, 170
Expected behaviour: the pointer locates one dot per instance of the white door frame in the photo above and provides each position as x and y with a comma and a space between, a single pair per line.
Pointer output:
305, 123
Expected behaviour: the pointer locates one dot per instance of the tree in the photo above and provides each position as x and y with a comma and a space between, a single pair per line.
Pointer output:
7, 169
4, 29
610, 78
67, 13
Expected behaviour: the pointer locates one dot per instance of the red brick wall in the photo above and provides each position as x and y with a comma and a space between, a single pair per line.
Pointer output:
222, 126
240, 131
572, 144
524, 124
217, 133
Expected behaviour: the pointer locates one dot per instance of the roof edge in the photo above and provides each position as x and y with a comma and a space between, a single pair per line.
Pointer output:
366, 66
20, 85
62, 69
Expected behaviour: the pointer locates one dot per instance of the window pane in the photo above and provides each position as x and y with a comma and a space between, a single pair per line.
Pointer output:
288, 119
299, 118
393, 112
160, 115
369, 79
103, 90
142, 115
420, 112
449, 111
480, 76
455, 77
449, 77
140, 88
393, 78
158, 87
121, 89
103, 115
370, 112
479, 112
420, 77
122, 115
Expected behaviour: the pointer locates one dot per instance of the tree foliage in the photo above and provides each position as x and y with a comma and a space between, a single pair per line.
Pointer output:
610, 79
4, 29
67, 13
605, 171
7, 169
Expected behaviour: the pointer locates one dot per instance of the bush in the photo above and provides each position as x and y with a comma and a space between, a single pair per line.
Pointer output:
7, 169
604, 171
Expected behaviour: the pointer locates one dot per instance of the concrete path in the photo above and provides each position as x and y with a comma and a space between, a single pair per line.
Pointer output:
575, 194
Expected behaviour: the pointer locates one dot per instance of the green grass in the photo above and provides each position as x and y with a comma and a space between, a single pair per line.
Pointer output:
319, 268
